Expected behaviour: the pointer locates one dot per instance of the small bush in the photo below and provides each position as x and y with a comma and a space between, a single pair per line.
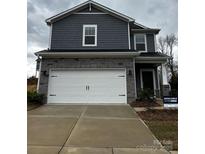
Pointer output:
34, 97
174, 92
32, 80
146, 94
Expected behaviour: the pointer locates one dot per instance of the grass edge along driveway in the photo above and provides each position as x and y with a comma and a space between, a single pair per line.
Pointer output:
163, 124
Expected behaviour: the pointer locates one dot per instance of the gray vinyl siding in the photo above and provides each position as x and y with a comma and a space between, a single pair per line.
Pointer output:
150, 42
112, 33
132, 41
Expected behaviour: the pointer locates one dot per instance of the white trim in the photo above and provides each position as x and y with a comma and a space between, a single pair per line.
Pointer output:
155, 43
128, 30
83, 40
164, 75
49, 80
69, 69
135, 78
158, 78
50, 36
145, 41
39, 76
90, 8
153, 76
90, 13
66, 11
126, 98
89, 2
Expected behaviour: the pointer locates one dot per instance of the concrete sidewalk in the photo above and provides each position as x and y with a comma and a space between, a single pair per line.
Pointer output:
89, 129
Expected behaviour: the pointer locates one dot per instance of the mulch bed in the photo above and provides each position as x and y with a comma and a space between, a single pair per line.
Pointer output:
160, 115
138, 103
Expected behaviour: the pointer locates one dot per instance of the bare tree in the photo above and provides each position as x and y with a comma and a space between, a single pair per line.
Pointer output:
166, 45
161, 45
171, 41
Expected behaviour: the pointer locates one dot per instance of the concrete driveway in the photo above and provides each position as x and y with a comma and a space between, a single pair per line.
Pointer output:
89, 129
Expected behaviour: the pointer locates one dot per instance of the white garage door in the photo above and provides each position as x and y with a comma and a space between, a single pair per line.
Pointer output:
87, 86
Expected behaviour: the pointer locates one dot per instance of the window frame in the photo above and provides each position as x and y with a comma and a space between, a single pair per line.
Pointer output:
145, 42
83, 42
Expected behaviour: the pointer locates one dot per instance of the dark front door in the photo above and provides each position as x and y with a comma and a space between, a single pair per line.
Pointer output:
147, 80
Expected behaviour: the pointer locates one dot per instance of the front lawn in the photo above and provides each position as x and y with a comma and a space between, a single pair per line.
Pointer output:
163, 123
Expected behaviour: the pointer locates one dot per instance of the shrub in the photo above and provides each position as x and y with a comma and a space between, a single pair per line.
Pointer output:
174, 84
174, 92
34, 97
146, 94
32, 80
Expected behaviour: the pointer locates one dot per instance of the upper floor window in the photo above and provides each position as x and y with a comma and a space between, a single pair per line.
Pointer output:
89, 35
140, 42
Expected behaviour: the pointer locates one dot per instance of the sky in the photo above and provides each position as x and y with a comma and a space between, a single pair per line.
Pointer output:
161, 14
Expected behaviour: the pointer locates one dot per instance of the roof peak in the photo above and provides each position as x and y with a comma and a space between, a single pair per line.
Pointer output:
105, 8
117, 14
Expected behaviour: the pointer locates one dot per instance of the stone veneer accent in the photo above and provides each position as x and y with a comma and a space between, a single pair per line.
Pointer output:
127, 63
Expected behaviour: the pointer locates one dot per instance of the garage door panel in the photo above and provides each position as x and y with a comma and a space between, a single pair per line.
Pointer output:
87, 86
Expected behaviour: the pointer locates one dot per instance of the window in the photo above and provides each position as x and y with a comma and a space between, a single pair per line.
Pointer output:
140, 42
89, 35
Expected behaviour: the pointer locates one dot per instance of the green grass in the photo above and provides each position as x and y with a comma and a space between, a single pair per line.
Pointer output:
163, 124
165, 131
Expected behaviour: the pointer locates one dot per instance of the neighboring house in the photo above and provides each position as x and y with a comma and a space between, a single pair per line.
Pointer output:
98, 55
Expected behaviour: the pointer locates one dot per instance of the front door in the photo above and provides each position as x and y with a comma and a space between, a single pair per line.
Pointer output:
148, 80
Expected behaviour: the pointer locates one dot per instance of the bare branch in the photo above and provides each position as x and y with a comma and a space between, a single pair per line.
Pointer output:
166, 45
162, 45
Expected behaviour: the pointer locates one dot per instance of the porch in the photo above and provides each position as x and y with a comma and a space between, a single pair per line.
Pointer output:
151, 74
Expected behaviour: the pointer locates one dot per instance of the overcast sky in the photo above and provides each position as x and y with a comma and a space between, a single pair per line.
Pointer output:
161, 14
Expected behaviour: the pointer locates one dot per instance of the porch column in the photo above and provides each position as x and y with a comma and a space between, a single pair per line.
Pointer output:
38, 72
165, 84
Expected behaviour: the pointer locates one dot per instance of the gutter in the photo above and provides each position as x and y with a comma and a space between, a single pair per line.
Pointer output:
156, 31
87, 54
151, 59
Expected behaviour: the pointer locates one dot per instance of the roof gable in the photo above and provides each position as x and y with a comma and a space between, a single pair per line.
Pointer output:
88, 5
94, 7
90, 9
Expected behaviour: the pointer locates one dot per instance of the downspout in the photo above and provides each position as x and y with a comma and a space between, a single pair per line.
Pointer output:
128, 31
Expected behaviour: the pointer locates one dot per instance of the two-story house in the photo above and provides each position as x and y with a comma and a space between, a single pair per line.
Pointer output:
98, 55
